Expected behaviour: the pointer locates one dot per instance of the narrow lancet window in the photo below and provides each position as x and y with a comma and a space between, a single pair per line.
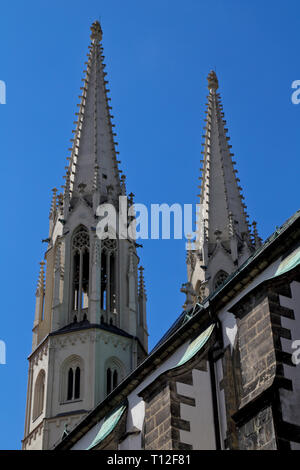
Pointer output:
113, 375
70, 384
77, 383
81, 267
108, 278
72, 379
39, 392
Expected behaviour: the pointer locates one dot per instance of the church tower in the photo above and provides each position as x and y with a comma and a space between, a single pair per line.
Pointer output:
223, 236
90, 326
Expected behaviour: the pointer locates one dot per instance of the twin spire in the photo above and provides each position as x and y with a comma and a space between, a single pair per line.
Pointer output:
93, 164
223, 236
223, 211
93, 174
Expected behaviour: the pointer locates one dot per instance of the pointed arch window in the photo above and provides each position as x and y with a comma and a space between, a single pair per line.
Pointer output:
72, 379
81, 268
112, 381
114, 374
70, 384
39, 392
73, 390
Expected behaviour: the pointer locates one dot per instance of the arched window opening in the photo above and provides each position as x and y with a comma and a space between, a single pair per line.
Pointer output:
220, 278
81, 267
70, 384
71, 379
73, 389
115, 372
39, 392
108, 381
77, 383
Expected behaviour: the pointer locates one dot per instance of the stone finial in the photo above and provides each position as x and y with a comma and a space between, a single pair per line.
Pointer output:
212, 80
96, 34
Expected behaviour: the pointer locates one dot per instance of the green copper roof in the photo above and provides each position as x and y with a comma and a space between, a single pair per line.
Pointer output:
289, 262
108, 425
196, 345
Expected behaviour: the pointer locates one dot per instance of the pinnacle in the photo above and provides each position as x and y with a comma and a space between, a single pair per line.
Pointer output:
40, 284
142, 289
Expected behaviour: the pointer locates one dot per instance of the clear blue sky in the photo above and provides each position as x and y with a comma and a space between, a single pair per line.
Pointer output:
158, 55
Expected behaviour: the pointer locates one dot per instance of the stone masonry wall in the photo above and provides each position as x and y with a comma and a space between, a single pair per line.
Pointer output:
258, 433
162, 418
256, 346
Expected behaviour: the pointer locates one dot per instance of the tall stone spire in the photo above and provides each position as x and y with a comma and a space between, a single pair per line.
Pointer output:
93, 144
90, 328
223, 232
221, 198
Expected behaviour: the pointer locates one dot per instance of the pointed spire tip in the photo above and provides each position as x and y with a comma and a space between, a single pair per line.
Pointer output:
212, 80
96, 34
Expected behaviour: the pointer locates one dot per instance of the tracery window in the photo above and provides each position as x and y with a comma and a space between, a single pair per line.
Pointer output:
220, 278
81, 266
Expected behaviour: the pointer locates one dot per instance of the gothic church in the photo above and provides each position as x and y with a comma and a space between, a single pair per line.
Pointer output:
225, 375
